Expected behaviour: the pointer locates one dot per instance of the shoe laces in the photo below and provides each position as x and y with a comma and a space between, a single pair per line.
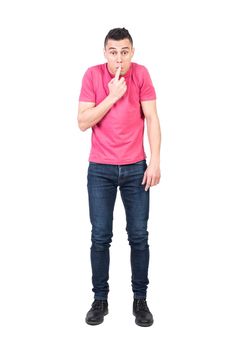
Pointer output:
141, 305
97, 305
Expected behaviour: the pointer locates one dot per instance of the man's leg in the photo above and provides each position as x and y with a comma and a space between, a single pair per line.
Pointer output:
136, 204
102, 192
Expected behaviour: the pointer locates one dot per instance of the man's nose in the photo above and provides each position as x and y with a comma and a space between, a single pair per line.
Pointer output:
119, 58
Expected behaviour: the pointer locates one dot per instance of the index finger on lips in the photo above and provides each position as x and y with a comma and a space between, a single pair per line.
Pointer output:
117, 73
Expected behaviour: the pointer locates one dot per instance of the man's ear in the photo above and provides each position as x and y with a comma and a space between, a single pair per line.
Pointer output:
104, 52
133, 51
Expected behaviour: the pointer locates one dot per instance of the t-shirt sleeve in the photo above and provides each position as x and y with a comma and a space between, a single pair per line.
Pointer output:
147, 90
87, 93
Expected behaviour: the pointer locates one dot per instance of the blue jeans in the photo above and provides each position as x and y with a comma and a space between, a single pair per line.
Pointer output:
103, 181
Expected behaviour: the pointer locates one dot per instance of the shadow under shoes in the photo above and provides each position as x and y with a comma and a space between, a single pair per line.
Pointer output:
96, 314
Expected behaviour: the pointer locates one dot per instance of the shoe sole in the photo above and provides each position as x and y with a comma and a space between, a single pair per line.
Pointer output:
91, 323
143, 324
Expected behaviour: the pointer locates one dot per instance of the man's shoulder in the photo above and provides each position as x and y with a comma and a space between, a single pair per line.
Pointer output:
96, 68
138, 68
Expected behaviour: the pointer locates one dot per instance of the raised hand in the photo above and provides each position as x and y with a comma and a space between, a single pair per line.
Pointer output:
117, 87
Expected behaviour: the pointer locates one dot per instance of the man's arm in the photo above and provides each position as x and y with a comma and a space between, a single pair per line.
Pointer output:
152, 173
89, 114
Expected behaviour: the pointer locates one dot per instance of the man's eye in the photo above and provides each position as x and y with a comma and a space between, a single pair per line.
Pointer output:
113, 53
125, 52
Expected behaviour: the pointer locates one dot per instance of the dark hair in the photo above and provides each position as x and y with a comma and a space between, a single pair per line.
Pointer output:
118, 34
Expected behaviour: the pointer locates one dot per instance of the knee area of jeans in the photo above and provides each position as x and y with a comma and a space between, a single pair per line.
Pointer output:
100, 247
140, 245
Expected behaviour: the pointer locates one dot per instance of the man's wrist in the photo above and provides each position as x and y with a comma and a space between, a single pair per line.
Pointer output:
112, 99
154, 161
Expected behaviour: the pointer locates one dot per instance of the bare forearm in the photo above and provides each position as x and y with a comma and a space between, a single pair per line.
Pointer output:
154, 137
92, 116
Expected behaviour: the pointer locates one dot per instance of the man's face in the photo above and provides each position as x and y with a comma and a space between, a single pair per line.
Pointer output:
118, 53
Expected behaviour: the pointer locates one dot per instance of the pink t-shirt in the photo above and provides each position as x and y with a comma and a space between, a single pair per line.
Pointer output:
118, 137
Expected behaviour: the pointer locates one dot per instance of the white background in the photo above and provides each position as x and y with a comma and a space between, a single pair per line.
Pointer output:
45, 277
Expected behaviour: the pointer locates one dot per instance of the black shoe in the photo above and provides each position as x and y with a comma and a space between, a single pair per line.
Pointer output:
97, 312
144, 318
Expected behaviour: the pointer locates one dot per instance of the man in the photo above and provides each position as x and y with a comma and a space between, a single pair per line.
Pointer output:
115, 98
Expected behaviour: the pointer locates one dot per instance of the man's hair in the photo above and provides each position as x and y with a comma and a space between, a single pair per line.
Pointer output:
118, 34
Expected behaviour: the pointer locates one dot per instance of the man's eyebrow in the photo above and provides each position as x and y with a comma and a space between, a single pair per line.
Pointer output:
114, 48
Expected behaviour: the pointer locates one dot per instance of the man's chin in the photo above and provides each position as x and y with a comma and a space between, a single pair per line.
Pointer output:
123, 71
